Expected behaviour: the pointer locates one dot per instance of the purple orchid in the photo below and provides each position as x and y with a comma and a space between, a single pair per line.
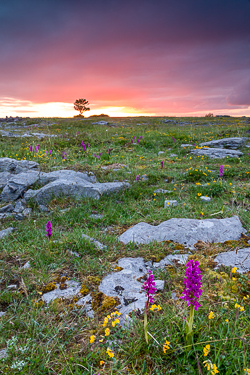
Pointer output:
109, 151
162, 164
221, 171
137, 177
138, 140
193, 284
149, 286
49, 229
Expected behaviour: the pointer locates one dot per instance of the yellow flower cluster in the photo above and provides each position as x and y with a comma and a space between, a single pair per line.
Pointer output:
247, 371
108, 318
234, 269
92, 339
155, 307
110, 353
241, 308
166, 346
211, 315
206, 350
212, 368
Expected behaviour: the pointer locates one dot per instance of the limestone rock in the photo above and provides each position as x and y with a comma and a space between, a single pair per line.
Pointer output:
46, 178
216, 153
100, 123
75, 188
98, 244
6, 232
19, 207
169, 203
17, 185
239, 259
185, 231
73, 288
2, 313
126, 287
168, 260
232, 143
162, 191
86, 302
16, 166
205, 199
4, 178
8, 208
27, 211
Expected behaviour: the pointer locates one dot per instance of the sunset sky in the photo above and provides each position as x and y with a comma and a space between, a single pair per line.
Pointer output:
126, 57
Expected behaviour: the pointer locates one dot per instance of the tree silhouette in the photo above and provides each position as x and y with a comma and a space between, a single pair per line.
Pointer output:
81, 105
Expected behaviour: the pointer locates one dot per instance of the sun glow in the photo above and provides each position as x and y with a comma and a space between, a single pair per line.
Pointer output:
24, 108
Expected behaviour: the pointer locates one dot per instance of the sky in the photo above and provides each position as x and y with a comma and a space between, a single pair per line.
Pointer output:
127, 58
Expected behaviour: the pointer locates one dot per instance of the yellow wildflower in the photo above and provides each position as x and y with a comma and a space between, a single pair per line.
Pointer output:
234, 269
107, 332
226, 320
166, 346
92, 339
211, 315
247, 371
110, 353
102, 363
206, 350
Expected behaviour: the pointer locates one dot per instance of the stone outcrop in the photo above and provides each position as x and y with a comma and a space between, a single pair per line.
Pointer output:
74, 188
239, 259
6, 232
16, 166
185, 231
18, 184
216, 153
232, 143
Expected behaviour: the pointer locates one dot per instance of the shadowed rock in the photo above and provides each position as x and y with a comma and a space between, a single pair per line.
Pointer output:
16, 166
4, 178
75, 188
232, 143
46, 178
186, 231
17, 185
239, 259
216, 153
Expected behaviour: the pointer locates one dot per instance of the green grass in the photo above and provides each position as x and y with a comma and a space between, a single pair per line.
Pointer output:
55, 339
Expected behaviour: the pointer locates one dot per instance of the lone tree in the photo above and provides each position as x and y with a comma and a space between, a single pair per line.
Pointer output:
81, 106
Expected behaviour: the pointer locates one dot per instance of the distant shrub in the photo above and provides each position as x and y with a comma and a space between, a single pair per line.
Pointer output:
209, 115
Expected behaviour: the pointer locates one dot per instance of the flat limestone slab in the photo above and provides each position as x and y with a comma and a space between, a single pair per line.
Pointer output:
65, 174
185, 231
232, 143
241, 259
216, 153
73, 288
17, 166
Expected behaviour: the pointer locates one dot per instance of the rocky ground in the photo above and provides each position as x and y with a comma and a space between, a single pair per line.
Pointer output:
124, 197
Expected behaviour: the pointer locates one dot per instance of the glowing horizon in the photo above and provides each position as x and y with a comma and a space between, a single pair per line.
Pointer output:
12, 107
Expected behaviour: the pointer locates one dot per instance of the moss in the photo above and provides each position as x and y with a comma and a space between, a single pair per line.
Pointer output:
117, 268
230, 242
94, 279
179, 247
102, 302
63, 286
49, 287
84, 290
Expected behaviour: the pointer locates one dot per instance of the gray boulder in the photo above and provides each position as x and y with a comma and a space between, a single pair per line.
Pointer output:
46, 178
6, 232
239, 259
8, 208
4, 178
76, 188
232, 143
185, 231
126, 287
168, 260
73, 288
19, 207
100, 123
216, 153
16, 166
17, 185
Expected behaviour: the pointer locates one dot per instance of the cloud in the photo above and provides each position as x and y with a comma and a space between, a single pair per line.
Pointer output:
158, 56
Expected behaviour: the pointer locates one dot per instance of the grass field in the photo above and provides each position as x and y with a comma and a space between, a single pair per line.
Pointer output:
55, 339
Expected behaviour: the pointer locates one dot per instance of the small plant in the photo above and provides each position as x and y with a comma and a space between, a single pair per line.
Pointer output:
49, 229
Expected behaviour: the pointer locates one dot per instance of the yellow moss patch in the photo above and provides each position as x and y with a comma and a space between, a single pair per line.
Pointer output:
102, 302
94, 279
84, 290
117, 268
49, 287
179, 247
